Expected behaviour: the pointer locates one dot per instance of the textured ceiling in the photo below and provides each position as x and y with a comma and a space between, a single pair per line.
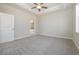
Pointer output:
51, 7
46, 4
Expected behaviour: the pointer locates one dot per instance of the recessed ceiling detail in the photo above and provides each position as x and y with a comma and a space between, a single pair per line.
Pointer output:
50, 7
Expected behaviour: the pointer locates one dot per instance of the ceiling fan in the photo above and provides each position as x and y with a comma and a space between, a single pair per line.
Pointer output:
39, 6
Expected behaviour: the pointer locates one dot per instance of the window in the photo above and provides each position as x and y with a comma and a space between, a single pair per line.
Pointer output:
77, 18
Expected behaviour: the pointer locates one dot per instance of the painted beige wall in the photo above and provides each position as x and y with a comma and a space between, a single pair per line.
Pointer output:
22, 19
59, 23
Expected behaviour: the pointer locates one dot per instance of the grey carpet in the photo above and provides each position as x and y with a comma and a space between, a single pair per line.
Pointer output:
39, 45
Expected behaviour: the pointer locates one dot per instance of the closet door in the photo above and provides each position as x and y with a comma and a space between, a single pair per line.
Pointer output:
6, 27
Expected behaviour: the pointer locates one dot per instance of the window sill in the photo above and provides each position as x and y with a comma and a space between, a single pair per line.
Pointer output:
77, 33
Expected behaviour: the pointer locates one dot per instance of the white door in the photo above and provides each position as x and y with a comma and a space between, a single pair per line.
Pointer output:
6, 27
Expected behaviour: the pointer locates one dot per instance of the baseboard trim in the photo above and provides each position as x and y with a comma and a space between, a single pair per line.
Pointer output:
44, 35
76, 44
23, 36
57, 36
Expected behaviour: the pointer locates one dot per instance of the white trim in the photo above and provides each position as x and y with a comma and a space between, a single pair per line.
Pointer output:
44, 35
77, 33
23, 37
58, 36
26, 36
76, 43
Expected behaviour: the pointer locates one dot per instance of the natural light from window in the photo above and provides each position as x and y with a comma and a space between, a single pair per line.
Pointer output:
77, 18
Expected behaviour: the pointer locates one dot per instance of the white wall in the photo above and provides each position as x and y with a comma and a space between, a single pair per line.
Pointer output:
22, 19
59, 23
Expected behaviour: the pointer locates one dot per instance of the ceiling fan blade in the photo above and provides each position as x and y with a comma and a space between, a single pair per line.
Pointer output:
35, 3
44, 7
41, 3
33, 7
39, 10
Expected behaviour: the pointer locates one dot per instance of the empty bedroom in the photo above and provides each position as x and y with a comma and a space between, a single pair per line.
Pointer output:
39, 29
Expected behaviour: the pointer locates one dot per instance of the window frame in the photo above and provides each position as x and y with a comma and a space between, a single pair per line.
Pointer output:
77, 18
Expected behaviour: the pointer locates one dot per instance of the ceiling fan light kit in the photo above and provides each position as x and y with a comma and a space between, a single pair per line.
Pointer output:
39, 6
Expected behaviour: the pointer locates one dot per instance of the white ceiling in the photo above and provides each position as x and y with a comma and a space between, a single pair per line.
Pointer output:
46, 4
51, 7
